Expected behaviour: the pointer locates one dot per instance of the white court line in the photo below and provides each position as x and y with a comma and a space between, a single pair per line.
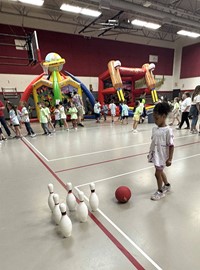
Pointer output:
109, 150
115, 226
126, 237
135, 171
35, 149
115, 176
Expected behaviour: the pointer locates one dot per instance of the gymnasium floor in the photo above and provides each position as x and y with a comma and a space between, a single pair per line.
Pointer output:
141, 234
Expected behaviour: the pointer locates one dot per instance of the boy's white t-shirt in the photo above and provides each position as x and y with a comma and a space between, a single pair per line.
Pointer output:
186, 102
97, 107
62, 112
196, 99
161, 139
13, 117
57, 114
125, 109
25, 116
112, 108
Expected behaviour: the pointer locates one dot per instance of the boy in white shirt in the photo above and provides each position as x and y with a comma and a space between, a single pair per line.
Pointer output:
112, 108
57, 116
26, 119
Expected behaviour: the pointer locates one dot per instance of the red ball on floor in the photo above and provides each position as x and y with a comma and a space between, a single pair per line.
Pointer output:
123, 194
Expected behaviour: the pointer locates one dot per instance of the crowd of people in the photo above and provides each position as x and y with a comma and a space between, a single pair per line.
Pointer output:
48, 119
184, 109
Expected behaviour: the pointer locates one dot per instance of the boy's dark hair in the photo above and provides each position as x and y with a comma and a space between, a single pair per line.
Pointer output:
57, 106
162, 108
187, 94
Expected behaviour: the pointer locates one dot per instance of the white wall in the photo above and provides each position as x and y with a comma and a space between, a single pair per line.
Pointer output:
183, 84
22, 81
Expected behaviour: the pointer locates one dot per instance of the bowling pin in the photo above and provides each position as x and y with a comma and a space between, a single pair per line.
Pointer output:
50, 198
82, 210
56, 211
71, 199
65, 222
93, 200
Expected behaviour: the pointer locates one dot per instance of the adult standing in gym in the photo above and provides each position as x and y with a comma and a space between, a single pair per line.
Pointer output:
2, 119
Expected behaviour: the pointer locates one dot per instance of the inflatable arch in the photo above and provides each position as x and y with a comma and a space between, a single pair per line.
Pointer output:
56, 82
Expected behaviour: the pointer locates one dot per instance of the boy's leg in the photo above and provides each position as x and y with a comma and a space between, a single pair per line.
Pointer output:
44, 128
159, 178
27, 128
159, 193
47, 129
166, 187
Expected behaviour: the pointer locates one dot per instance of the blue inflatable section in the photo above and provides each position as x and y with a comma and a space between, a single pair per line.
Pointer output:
84, 88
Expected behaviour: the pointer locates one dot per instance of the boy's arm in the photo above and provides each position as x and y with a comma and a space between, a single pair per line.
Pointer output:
171, 152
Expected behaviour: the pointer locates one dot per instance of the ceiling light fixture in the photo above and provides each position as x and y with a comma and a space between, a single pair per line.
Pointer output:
146, 24
188, 34
70, 8
79, 10
31, 2
147, 4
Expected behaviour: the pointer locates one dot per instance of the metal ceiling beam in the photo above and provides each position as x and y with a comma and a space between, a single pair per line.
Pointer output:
157, 14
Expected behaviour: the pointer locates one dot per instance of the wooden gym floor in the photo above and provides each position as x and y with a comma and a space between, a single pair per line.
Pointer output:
141, 234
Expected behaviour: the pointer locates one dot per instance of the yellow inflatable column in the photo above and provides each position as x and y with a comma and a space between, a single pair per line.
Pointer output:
35, 96
116, 78
150, 81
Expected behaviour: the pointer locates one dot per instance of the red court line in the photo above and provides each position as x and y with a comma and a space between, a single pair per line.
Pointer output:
126, 253
115, 159
100, 162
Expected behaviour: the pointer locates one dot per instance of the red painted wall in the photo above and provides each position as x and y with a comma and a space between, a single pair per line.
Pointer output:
87, 57
190, 64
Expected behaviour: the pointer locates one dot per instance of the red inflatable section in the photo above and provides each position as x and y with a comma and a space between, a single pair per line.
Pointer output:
29, 88
129, 75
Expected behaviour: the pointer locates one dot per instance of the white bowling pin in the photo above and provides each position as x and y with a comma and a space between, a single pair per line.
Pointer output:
50, 198
56, 211
65, 222
93, 200
82, 210
71, 199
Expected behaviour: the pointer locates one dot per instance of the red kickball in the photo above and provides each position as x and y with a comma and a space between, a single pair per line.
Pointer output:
123, 194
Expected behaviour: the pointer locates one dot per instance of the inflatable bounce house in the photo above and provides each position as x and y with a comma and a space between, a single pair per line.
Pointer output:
121, 80
53, 86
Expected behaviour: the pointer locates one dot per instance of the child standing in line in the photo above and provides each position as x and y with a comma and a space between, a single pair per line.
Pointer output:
125, 113
136, 117
97, 110
74, 115
50, 125
104, 111
14, 121
161, 149
44, 119
176, 112
57, 116
26, 119
112, 108
63, 115
19, 116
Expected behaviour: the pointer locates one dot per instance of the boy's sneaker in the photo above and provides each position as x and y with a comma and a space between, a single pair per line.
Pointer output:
166, 189
33, 135
157, 196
